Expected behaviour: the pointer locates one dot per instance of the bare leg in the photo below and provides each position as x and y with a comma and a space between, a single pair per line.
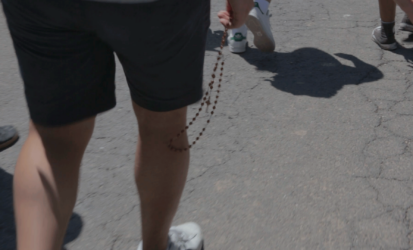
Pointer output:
45, 183
387, 10
160, 173
406, 6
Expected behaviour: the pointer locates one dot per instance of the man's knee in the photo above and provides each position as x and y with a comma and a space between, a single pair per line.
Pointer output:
160, 121
160, 127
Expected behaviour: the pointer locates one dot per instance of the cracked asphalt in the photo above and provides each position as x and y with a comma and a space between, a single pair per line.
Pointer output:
310, 148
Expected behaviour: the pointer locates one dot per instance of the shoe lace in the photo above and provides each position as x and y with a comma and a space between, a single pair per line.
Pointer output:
179, 238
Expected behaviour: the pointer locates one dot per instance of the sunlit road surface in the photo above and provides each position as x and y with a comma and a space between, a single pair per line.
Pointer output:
310, 147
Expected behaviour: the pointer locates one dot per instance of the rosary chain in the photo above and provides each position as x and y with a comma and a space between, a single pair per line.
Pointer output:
206, 101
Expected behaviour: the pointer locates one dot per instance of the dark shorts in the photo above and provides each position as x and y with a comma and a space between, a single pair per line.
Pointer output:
65, 50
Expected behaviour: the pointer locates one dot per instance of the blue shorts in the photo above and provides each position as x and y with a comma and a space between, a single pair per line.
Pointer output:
65, 50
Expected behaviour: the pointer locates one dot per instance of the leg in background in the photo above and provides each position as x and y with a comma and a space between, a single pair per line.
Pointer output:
384, 34
387, 10
406, 6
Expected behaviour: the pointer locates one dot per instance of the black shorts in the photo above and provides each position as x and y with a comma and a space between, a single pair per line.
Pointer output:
65, 50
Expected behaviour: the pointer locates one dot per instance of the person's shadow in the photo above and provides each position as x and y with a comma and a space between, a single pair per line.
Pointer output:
7, 223
312, 72
407, 53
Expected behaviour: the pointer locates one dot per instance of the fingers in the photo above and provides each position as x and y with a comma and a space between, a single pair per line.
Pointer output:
224, 18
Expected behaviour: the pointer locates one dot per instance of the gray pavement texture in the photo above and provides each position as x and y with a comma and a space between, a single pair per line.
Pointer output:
311, 146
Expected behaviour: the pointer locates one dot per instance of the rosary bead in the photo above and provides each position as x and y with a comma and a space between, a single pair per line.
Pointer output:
206, 99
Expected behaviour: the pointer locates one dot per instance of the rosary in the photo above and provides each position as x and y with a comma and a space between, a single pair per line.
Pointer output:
206, 101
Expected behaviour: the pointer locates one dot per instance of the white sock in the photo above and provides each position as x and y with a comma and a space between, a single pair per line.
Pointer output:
263, 5
243, 30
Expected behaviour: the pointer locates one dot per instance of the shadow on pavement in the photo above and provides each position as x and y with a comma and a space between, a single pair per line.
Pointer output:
405, 52
214, 40
312, 72
7, 224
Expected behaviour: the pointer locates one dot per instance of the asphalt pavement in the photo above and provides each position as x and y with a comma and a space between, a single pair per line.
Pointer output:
310, 147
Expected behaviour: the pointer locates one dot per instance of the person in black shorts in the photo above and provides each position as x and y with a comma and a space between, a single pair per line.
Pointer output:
65, 51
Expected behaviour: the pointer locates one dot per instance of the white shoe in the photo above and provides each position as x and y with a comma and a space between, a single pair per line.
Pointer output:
237, 39
259, 24
187, 236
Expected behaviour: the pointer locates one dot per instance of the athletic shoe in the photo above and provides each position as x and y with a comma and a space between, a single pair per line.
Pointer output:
237, 39
187, 236
8, 136
384, 39
259, 24
406, 24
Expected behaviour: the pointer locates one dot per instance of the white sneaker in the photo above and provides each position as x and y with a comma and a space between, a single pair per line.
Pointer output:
237, 39
259, 24
187, 236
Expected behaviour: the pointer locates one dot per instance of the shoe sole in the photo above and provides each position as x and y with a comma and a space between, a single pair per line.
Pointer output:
391, 46
406, 27
9, 143
261, 39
